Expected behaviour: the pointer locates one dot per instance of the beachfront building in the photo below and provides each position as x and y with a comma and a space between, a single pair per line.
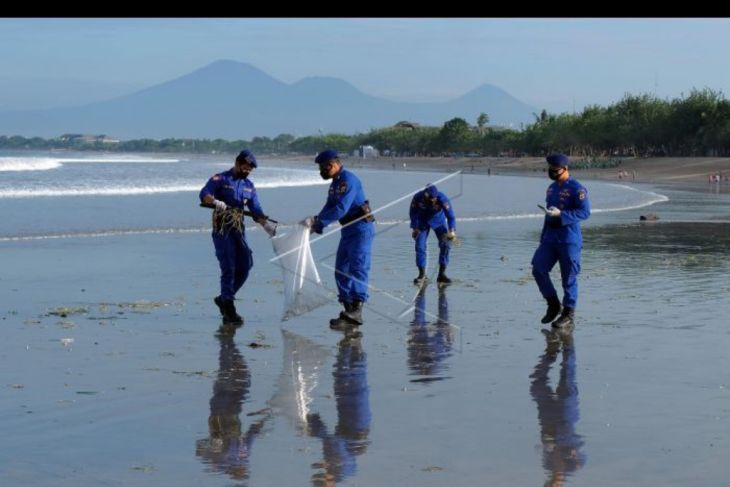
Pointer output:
88, 139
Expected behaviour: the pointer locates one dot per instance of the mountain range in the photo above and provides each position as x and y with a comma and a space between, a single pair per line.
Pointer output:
234, 100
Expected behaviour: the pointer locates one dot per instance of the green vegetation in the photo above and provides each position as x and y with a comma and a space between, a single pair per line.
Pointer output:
595, 163
636, 126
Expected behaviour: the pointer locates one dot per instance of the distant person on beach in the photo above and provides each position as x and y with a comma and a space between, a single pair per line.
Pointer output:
561, 240
346, 203
229, 193
431, 209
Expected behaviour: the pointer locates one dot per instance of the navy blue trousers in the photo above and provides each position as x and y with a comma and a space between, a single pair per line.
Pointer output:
568, 255
352, 264
235, 259
444, 245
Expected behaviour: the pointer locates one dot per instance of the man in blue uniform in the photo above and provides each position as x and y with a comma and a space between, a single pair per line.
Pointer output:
230, 192
431, 209
347, 204
561, 240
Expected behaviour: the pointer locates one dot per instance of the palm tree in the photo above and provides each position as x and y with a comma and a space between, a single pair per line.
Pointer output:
482, 121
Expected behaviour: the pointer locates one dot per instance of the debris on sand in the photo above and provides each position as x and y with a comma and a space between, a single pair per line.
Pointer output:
65, 311
143, 305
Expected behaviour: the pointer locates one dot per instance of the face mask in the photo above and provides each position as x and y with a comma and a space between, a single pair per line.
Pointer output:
324, 170
243, 171
554, 173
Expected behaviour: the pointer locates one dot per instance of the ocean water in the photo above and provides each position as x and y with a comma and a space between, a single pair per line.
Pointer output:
45, 195
111, 373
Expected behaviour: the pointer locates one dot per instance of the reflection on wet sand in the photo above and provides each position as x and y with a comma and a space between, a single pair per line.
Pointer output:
350, 436
429, 344
227, 450
301, 365
557, 410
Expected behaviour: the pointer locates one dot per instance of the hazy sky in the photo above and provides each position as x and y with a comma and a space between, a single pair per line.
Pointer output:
557, 64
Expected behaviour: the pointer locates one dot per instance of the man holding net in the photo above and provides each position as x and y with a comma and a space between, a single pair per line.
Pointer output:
230, 192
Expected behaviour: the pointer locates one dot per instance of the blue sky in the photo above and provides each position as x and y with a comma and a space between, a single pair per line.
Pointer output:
557, 64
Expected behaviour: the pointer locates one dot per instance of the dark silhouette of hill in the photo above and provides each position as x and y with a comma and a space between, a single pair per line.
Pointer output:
233, 100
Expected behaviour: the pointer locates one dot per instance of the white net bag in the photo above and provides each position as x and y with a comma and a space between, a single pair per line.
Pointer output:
303, 290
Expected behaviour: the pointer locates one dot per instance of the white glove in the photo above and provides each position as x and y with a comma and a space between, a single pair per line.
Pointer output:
552, 211
220, 205
308, 222
451, 235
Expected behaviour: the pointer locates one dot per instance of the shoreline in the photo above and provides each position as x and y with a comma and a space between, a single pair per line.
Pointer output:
689, 172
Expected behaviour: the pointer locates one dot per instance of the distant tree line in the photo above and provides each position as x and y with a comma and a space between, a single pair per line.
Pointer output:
637, 125
640, 126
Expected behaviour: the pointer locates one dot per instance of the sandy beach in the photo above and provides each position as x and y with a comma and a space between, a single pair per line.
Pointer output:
112, 374
692, 172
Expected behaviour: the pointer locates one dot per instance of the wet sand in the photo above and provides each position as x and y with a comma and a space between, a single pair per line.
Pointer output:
112, 374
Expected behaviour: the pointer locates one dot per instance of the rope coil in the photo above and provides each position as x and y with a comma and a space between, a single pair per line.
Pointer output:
228, 219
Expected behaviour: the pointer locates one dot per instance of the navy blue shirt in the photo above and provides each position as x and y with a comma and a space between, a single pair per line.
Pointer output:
571, 198
423, 213
345, 197
234, 192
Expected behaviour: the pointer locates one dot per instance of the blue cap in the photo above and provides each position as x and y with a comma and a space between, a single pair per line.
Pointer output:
247, 156
557, 160
326, 156
430, 191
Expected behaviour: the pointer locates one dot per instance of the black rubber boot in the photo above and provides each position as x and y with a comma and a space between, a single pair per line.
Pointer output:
442, 275
341, 323
230, 316
348, 307
566, 318
354, 315
421, 276
218, 300
553, 310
